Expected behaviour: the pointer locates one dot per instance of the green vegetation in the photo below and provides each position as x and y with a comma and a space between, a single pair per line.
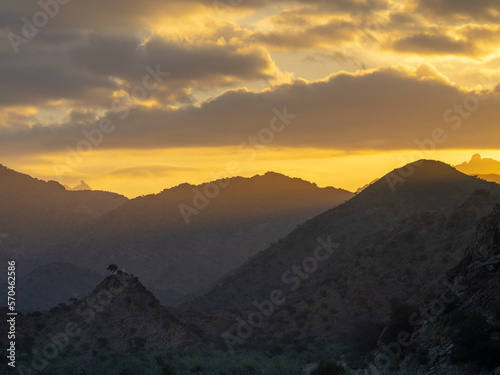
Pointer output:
200, 362
329, 368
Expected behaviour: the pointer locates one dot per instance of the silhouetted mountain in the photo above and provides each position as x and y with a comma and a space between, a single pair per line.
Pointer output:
479, 165
175, 253
119, 315
395, 240
462, 330
150, 235
490, 177
83, 186
38, 210
484, 168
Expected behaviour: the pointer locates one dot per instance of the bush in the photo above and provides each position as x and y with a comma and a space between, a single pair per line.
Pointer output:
329, 368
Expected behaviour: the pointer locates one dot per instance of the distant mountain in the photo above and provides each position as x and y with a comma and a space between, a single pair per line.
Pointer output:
37, 210
490, 177
36, 214
479, 166
485, 168
395, 240
83, 186
151, 236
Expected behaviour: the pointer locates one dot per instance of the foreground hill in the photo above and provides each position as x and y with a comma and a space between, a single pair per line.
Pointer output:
150, 235
389, 244
119, 315
462, 330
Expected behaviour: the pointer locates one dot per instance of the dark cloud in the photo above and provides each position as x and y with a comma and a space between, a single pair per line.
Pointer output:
469, 40
328, 34
202, 63
463, 10
434, 44
384, 109
86, 68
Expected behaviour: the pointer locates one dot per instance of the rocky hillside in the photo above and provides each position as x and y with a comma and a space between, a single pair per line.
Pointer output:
463, 332
120, 315
343, 271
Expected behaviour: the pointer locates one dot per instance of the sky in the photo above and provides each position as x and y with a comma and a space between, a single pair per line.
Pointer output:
135, 97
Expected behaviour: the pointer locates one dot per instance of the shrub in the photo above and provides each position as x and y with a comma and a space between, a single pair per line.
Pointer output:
329, 368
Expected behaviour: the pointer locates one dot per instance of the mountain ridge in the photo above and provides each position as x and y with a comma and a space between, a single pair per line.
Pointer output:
374, 232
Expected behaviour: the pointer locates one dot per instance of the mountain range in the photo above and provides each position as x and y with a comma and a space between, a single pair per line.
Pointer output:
386, 246
353, 275
52, 228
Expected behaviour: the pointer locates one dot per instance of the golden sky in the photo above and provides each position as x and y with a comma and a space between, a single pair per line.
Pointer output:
135, 97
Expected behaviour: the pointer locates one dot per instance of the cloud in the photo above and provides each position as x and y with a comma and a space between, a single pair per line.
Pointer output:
434, 44
90, 68
463, 10
331, 33
388, 108
468, 40
144, 171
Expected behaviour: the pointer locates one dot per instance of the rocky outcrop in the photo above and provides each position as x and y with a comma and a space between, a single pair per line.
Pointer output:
465, 335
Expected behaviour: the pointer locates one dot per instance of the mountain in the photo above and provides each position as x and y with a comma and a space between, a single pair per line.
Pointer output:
342, 272
490, 177
119, 315
485, 168
462, 332
479, 165
83, 186
38, 210
174, 256
36, 213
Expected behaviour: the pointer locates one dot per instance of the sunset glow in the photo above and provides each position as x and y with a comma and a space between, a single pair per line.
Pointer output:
180, 86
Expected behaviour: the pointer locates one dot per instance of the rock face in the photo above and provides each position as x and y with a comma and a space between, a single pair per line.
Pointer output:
465, 335
394, 246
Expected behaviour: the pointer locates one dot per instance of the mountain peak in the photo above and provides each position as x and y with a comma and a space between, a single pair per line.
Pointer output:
82, 186
421, 172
